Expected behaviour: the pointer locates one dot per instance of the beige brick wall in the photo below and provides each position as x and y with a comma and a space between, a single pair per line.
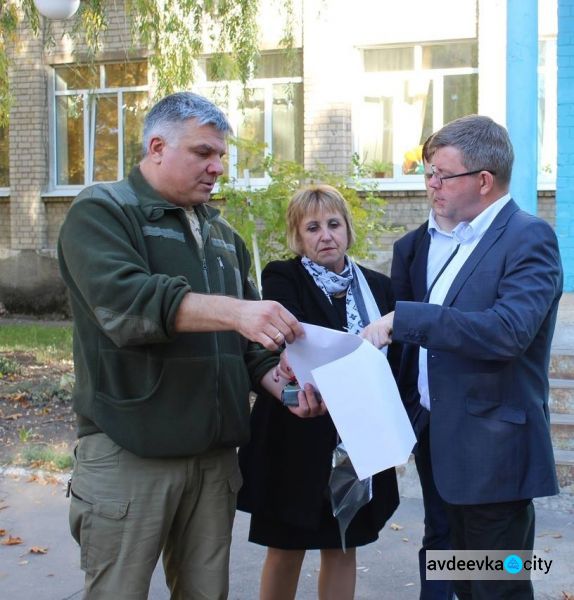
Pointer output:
328, 68
56, 209
25, 223
4, 223
547, 207
28, 221
28, 150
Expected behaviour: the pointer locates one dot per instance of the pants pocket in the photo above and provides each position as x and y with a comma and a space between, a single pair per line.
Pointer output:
98, 528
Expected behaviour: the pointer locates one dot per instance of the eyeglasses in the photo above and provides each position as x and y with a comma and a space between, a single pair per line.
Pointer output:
442, 178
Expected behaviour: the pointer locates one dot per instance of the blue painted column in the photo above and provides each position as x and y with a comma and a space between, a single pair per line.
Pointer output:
565, 175
522, 99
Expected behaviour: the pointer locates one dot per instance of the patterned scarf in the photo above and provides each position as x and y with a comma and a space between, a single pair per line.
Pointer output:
350, 280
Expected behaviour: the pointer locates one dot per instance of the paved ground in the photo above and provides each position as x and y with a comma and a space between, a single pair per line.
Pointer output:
36, 512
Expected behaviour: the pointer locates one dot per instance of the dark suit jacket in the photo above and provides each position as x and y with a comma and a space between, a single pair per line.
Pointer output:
488, 354
286, 465
408, 277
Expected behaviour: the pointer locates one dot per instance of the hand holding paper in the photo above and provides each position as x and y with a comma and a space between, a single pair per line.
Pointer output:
358, 388
380, 332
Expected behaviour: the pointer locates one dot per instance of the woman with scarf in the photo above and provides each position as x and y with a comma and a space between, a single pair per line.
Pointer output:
288, 462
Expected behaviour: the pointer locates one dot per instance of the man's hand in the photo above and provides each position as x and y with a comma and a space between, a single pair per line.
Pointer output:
309, 404
379, 332
262, 321
267, 322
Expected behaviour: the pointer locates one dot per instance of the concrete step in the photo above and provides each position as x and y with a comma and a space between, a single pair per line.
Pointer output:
565, 467
561, 363
561, 398
562, 430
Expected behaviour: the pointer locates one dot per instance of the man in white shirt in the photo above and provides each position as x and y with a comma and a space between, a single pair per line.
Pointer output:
486, 326
418, 257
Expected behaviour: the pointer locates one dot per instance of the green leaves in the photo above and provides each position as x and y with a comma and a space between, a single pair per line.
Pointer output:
174, 31
262, 211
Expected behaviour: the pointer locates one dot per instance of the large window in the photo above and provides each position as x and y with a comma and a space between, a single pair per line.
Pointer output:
547, 103
4, 158
98, 121
267, 115
408, 92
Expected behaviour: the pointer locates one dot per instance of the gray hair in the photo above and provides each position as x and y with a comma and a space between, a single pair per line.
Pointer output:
165, 116
483, 144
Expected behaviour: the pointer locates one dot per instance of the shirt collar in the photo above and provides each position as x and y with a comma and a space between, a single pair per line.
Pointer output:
434, 228
466, 232
478, 226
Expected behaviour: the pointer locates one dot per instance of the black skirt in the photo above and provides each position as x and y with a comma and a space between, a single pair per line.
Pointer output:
286, 468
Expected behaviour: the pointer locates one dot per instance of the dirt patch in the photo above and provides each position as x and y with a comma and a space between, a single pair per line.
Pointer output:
36, 417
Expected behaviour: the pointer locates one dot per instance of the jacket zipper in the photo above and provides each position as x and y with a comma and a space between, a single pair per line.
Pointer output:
205, 238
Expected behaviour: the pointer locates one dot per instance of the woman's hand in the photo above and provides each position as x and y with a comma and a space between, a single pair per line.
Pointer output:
380, 332
310, 404
283, 369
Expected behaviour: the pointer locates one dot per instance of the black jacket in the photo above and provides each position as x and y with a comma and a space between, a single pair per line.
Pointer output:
286, 465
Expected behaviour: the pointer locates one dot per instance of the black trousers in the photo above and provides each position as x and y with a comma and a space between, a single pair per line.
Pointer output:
496, 526
436, 533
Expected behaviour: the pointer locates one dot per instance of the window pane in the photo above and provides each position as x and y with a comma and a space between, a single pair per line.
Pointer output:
388, 59
417, 123
460, 96
252, 129
547, 112
377, 133
288, 122
73, 77
222, 67
134, 110
126, 74
69, 140
450, 56
279, 64
4, 157
105, 132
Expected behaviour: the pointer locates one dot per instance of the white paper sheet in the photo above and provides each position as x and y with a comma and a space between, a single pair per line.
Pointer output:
356, 383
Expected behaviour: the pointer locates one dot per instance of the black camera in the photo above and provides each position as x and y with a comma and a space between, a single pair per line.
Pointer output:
289, 395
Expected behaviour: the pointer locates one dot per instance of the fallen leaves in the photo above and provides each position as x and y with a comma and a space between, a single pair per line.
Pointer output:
554, 534
42, 479
13, 417
12, 541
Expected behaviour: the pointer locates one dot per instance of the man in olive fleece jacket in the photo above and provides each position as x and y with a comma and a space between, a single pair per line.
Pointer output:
168, 336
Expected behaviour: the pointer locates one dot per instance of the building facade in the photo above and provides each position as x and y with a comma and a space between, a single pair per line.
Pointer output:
367, 82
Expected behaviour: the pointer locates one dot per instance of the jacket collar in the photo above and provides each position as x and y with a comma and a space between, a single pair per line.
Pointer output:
154, 206
488, 239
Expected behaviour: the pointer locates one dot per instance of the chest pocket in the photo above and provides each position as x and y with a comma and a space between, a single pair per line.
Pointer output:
228, 275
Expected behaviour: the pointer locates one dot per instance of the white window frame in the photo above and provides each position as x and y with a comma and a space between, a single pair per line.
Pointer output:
88, 99
233, 91
373, 83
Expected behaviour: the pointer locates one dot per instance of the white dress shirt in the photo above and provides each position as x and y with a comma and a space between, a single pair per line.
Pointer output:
442, 245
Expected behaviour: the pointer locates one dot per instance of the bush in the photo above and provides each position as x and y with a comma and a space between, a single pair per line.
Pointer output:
8, 367
261, 212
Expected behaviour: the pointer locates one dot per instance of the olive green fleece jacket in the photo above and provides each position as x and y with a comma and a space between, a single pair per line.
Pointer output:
128, 258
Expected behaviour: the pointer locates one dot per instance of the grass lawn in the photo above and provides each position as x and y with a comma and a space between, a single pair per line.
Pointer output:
48, 343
